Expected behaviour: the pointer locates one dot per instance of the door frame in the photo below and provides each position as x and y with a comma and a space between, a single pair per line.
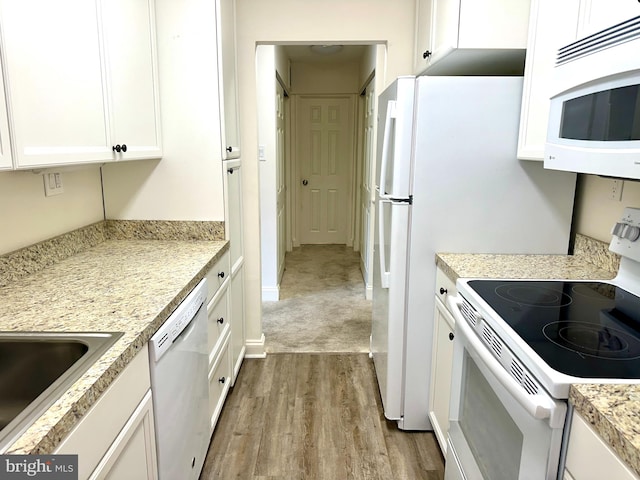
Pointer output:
295, 184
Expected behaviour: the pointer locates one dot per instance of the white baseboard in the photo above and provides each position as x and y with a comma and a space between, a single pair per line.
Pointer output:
271, 294
368, 292
255, 348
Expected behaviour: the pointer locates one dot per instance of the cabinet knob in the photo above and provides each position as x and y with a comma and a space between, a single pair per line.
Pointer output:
220, 320
221, 274
222, 380
451, 336
229, 149
124, 147
305, 182
230, 171
116, 148
443, 290
426, 54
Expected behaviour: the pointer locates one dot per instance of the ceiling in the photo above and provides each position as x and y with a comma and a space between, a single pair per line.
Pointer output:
303, 53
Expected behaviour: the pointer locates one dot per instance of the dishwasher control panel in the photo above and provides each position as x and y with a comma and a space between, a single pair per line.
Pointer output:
178, 321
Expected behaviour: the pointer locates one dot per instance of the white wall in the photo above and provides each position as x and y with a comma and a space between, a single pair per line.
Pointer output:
266, 86
188, 183
596, 212
281, 21
28, 217
321, 78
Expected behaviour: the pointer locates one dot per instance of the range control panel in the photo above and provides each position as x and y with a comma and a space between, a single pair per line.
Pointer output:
626, 234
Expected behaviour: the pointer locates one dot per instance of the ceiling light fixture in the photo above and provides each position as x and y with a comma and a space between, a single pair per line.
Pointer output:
326, 49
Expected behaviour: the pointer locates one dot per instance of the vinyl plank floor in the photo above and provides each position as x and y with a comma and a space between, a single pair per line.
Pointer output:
298, 416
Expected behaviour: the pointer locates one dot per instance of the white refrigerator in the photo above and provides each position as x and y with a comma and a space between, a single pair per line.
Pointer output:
448, 180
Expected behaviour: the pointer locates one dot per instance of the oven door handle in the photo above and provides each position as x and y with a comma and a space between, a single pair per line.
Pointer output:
539, 406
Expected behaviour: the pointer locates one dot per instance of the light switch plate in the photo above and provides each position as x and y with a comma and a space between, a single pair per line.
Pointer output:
52, 184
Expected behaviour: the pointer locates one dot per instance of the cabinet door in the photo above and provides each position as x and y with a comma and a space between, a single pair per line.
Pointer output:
233, 211
131, 64
552, 25
133, 453
237, 321
6, 158
229, 124
423, 36
439, 390
54, 79
444, 26
596, 15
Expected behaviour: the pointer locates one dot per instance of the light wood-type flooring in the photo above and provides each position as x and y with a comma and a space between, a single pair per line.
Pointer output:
301, 416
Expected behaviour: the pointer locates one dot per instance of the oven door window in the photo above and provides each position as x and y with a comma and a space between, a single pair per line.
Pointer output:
497, 456
492, 435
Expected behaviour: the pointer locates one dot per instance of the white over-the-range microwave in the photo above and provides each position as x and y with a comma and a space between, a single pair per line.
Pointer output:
594, 117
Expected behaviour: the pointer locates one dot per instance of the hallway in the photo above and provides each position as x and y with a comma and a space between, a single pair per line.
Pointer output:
322, 305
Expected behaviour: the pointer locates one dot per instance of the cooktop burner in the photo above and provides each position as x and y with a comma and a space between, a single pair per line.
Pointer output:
582, 329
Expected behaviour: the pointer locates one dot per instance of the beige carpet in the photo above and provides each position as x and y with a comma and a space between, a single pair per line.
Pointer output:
322, 305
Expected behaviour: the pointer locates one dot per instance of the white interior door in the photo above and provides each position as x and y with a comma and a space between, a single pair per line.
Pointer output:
367, 205
325, 161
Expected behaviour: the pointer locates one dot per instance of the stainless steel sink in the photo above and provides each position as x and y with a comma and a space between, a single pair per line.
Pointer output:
36, 369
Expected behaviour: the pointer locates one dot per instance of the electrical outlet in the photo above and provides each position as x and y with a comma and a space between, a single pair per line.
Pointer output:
616, 190
52, 184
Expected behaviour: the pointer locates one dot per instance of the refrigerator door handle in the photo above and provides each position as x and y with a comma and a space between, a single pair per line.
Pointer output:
384, 273
391, 114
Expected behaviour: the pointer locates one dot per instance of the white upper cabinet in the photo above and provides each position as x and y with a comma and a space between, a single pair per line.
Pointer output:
552, 25
52, 59
6, 157
474, 37
80, 74
596, 15
230, 128
130, 48
423, 36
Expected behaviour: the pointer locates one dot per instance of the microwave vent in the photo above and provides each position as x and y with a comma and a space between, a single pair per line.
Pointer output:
609, 37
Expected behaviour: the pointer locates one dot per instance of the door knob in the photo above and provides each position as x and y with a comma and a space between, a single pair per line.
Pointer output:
305, 182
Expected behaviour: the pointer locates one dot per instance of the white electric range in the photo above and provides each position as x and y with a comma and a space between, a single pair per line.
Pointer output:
520, 344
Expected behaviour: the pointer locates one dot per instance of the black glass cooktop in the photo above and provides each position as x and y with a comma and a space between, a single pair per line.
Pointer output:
582, 329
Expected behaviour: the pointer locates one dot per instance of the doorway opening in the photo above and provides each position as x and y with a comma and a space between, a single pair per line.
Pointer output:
316, 131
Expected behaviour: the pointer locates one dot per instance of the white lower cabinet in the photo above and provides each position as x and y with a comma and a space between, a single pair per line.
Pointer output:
116, 438
590, 458
441, 361
238, 336
219, 380
219, 327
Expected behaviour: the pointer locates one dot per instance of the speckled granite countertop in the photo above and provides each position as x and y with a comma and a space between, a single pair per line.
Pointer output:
612, 410
128, 286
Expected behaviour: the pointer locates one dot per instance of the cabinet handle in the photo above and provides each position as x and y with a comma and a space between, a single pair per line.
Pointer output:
451, 336
124, 147
116, 148
220, 320
222, 380
229, 149
230, 171
221, 274
443, 290
426, 54
305, 182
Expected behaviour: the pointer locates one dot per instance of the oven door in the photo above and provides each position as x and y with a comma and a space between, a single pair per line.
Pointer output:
497, 429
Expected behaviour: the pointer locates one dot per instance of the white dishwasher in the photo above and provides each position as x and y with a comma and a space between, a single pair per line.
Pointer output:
179, 385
